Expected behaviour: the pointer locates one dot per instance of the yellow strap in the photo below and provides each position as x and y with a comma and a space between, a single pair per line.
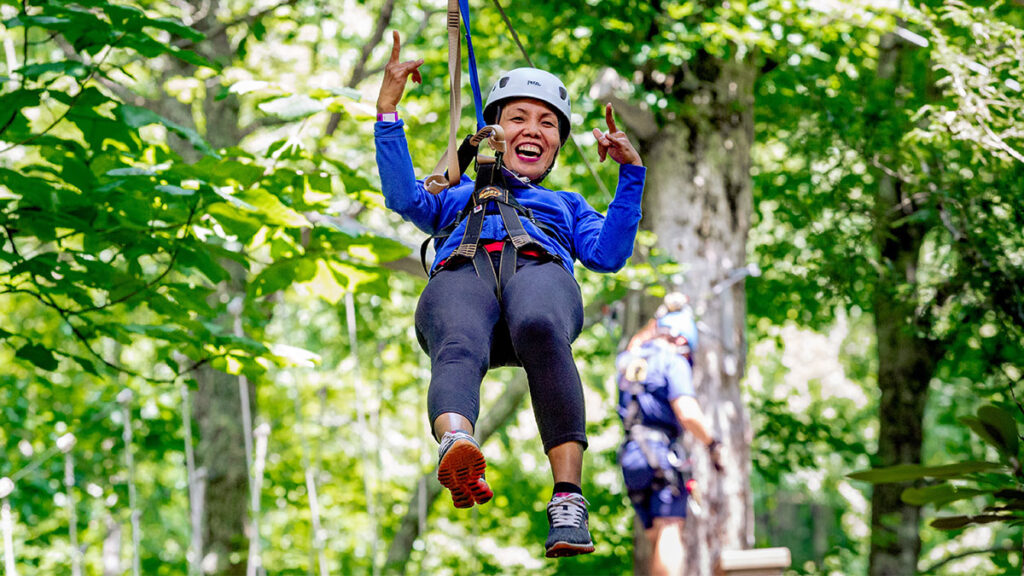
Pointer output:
436, 182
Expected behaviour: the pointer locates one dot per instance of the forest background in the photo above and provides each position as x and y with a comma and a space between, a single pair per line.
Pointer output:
208, 362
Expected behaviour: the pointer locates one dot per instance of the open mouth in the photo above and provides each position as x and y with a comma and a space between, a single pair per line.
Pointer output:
529, 152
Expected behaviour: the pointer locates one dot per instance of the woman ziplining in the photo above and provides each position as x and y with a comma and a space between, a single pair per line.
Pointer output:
501, 288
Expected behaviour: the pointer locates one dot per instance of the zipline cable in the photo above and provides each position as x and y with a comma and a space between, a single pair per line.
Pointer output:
579, 149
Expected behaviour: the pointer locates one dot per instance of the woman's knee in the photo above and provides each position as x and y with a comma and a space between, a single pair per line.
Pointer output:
539, 328
462, 348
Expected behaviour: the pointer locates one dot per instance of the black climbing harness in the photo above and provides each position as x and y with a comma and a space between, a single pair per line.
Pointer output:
678, 473
490, 187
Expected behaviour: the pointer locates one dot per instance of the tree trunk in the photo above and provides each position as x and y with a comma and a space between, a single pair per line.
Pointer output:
220, 458
906, 357
698, 202
221, 455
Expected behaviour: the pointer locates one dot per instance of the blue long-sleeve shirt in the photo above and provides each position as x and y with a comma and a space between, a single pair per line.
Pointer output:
601, 242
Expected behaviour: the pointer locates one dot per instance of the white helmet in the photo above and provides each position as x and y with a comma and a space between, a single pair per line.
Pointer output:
530, 83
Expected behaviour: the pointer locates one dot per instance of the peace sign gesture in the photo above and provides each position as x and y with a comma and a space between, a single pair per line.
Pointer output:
396, 75
615, 143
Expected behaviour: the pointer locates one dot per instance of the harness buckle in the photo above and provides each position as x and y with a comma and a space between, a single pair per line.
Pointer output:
488, 193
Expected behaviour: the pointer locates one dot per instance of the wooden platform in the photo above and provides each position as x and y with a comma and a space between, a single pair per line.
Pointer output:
755, 562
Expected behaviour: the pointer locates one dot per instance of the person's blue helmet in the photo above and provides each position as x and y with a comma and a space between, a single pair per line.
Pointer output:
675, 318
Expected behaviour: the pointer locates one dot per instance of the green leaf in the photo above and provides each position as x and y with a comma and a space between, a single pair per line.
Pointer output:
377, 249
175, 190
62, 68
281, 275
235, 221
175, 27
42, 21
957, 522
86, 365
132, 171
227, 172
247, 86
137, 117
353, 181
41, 356
1003, 428
170, 332
325, 283
273, 209
939, 495
198, 258
293, 107
908, 472
4, 334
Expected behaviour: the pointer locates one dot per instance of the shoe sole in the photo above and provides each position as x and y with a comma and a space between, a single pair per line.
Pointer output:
461, 471
564, 549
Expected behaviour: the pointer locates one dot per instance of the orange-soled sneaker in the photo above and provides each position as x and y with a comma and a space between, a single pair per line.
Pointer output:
460, 469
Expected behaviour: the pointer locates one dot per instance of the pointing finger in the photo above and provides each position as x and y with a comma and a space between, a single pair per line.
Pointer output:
609, 118
396, 48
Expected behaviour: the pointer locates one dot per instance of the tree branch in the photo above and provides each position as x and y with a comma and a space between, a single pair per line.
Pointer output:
151, 283
359, 72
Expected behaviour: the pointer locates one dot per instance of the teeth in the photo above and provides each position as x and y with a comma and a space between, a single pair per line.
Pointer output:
528, 150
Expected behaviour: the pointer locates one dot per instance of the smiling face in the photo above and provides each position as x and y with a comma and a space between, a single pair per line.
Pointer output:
531, 130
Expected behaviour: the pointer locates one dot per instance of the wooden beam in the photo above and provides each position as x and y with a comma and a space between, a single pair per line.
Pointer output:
756, 562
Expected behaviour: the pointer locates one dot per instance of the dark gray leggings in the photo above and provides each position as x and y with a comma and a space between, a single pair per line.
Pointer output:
458, 319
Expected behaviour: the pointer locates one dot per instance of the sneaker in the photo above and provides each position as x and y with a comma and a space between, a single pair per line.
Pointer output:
569, 534
460, 469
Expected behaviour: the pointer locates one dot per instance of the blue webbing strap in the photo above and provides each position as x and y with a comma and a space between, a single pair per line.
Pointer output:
474, 81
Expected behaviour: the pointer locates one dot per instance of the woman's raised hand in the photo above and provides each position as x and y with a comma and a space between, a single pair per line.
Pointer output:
396, 76
615, 143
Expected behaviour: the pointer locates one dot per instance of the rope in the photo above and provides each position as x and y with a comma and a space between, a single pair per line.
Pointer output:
515, 37
437, 182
